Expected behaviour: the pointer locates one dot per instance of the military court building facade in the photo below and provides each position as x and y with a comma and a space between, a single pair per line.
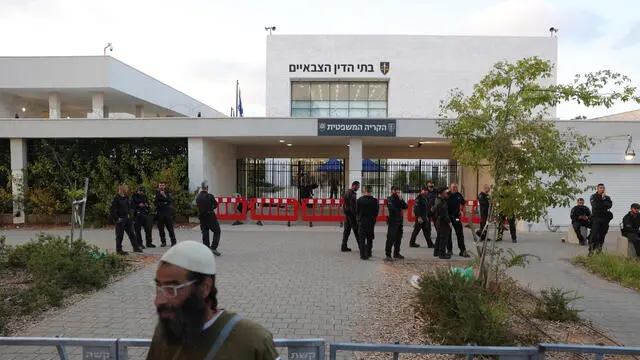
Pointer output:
338, 96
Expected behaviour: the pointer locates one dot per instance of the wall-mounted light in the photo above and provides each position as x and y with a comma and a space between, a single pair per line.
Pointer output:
289, 144
281, 140
629, 154
24, 109
411, 145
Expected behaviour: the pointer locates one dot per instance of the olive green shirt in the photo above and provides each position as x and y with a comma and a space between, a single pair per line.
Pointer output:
247, 341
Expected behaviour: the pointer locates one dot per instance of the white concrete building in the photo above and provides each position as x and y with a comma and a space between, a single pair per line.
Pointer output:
87, 87
346, 97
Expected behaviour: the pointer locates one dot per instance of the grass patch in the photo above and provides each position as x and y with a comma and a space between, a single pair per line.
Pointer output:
620, 269
555, 305
42, 273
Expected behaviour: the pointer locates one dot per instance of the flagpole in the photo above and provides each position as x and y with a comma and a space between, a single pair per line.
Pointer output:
237, 87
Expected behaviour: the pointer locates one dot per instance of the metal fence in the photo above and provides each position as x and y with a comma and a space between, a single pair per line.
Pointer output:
314, 349
118, 349
326, 178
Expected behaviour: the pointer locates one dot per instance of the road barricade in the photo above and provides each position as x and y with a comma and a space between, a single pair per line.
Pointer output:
411, 217
322, 210
475, 211
232, 208
274, 209
383, 213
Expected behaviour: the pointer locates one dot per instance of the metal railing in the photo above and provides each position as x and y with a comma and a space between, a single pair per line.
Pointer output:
524, 353
314, 349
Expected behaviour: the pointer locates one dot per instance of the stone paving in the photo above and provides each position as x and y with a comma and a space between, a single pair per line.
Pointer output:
297, 283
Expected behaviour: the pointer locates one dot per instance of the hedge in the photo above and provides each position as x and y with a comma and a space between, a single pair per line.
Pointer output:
56, 169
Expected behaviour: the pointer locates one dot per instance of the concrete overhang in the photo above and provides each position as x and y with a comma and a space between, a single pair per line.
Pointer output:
74, 78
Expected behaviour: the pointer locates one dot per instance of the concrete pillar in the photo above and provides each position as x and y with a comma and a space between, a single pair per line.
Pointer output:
55, 107
18, 164
105, 112
97, 106
139, 111
355, 161
195, 159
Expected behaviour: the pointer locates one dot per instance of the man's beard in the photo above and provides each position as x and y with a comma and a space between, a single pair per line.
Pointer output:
185, 327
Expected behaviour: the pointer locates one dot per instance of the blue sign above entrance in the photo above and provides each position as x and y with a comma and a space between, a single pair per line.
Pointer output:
357, 127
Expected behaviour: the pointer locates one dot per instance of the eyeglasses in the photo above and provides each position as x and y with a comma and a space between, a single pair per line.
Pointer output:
171, 291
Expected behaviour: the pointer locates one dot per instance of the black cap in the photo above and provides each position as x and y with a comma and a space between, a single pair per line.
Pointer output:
394, 187
141, 188
635, 206
442, 189
425, 188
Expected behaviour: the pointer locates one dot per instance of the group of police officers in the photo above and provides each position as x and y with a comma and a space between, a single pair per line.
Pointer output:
441, 206
122, 207
597, 219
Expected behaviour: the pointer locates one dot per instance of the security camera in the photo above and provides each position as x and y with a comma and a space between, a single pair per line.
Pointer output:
273, 28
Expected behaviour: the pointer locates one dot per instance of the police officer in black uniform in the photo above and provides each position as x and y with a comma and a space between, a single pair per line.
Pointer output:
164, 210
443, 224
140, 206
432, 194
395, 204
120, 209
455, 200
631, 227
580, 217
207, 205
484, 202
510, 219
367, 209
350, 221
600, 218
421, 212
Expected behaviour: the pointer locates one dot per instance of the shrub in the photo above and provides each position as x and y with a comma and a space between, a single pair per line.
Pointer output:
3, 317
43, 202
6, 201
618, 268
460, 311
56, 267
553, 305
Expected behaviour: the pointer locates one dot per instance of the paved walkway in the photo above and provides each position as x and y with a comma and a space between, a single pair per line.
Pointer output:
609, 306
297, 283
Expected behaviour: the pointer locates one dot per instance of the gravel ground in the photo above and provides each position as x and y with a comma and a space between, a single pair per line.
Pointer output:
391, 316
15, 281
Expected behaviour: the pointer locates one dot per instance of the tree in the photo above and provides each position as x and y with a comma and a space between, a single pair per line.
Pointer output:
504, 124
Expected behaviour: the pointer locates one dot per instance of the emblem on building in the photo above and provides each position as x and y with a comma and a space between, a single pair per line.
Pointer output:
322, 126
391, 126
384, 67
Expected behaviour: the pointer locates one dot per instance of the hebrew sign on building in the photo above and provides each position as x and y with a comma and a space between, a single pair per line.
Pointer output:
357, 127
384, 67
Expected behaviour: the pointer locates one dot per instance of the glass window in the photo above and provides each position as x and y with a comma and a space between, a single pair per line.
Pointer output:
320, 104
360, 113
378, 91
300, 112
319, 91
300, 91
358, 105
377, 113
342, 113
377, 104
359, 91
339, 91
339, 104
320, 112
300, 104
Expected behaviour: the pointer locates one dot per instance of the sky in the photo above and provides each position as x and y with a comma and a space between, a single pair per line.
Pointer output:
201, 47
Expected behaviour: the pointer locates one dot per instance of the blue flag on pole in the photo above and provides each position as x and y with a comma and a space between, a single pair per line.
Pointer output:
240, 111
